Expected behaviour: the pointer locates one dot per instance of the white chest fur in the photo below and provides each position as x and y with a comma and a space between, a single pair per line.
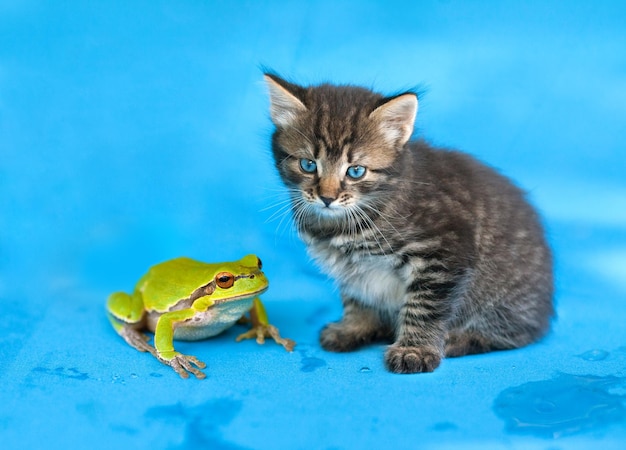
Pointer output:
369, 279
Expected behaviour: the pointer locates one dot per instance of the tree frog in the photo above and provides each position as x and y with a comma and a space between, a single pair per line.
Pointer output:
190, 300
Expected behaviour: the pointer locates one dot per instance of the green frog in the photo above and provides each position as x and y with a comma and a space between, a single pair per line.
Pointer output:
185, 299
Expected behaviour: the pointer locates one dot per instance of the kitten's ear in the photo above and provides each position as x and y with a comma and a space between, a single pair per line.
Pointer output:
396, 118
284, 106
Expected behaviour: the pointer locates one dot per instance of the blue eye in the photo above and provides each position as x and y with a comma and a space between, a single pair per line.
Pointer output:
356, 172
308, 165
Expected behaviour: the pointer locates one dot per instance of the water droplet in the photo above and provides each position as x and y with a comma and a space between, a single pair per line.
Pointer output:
117, 379
365, 370
134, 375
594, 355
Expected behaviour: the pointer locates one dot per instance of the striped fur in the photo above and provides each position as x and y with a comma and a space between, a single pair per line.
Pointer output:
432, 250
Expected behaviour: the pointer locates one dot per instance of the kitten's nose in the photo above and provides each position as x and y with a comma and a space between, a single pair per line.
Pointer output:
327, 200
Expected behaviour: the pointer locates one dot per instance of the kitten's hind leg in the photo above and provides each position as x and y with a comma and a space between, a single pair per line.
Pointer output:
360, 326
460, 343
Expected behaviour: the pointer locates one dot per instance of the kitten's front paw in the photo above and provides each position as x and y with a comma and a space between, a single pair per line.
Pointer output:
400, 359
338, 337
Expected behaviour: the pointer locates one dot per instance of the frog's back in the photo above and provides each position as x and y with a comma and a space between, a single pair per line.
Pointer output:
172, 281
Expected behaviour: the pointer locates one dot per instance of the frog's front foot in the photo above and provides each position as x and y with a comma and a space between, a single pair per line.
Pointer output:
184, 365
260, 332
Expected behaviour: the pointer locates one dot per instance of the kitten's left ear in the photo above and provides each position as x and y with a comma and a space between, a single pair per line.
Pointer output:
396, 118
284, 106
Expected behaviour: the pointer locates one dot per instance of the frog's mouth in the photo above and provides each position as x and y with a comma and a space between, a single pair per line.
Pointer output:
242, 296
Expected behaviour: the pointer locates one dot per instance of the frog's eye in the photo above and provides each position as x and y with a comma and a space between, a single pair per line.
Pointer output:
225, 280
259, 263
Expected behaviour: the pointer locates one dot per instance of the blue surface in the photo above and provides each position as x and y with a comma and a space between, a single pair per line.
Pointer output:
134, 132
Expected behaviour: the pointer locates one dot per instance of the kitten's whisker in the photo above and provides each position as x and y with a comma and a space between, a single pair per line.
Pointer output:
383, 216
356, 226
299, 209
302, 210
280, 197
283, 215
282, 209
372, 226
279, 204
280, 213
277, 190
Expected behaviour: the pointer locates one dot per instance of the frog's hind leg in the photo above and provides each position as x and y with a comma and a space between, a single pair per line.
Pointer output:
137, 339
126, 314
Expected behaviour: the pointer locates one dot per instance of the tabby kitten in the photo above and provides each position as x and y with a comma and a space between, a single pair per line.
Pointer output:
431, 249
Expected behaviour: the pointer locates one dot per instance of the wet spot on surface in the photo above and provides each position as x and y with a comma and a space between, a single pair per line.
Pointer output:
310, 363
594, 355
567, 404
70, 373
202, 423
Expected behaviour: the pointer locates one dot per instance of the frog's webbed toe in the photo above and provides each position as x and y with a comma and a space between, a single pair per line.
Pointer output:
289, 344
184, 365
260, 332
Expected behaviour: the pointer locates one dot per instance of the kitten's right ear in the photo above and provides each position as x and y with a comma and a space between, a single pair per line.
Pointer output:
284, 106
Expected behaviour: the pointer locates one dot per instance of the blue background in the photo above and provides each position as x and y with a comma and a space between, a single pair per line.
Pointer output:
134, 132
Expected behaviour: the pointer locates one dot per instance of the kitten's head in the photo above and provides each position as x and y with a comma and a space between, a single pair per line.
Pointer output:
337, 147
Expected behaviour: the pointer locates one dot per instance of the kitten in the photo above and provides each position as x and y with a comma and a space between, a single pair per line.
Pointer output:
431, 249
